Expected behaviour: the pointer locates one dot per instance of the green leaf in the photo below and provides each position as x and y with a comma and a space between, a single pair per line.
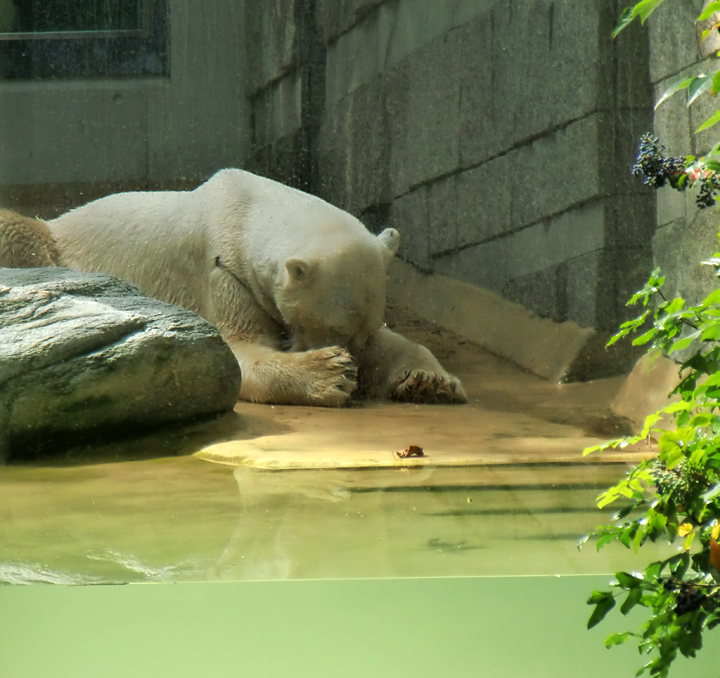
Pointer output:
608, 497
697, 456
644, 338
711, 494
605, 539
682, 344
597, 596
691, 642
617, 638
602, 607
702, 419
627, 580
645, 8
711, 333
626, 19
627, 535
700, 84
652, 571
677, 84
712, 298
713, 120
709, 11
633, 598
679, 564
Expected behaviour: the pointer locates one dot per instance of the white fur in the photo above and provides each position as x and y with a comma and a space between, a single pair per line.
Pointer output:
270, 266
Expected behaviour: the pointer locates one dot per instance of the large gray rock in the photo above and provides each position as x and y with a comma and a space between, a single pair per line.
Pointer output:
88, 355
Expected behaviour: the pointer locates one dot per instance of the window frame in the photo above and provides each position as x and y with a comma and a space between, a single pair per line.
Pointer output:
61, 55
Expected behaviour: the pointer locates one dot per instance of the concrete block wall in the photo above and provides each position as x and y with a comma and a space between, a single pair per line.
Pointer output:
685, 234
496, 135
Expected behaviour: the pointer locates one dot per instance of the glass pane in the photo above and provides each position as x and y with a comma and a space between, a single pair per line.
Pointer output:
322, 290
49, 16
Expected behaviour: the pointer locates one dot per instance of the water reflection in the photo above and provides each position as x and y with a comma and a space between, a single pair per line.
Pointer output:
315, 492
183, 519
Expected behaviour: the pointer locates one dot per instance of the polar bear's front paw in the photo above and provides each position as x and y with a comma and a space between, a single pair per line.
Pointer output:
419, 386
332, 376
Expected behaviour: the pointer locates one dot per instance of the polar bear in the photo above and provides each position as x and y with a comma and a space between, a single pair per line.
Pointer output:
25, 242
295, 286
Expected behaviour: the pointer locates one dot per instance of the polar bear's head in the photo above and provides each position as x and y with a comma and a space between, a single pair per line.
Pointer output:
337, 298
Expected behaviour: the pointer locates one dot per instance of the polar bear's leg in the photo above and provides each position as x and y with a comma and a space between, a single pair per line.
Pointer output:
394, 367
25, 242
324, 377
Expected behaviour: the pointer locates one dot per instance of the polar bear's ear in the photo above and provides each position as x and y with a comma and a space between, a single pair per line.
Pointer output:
390, 239
298, 270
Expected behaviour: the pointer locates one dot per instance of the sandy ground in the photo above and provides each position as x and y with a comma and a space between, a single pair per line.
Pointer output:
512, 417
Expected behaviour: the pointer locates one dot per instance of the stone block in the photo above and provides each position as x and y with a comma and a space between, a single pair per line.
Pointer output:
408, 214
624, 128
469, 207
671, 205
631, 267
353, 150
678, 249
543, 292
484, 265
423, 102
582, 276
699, 111
631, 220
672, 127
355, 58
417, 24
673, 42
466, 10
508, 91
271, 33
629, 81
385, 36
444, 220
287, 160
549, 243
335, 17
672, 119
558, 171
278, 110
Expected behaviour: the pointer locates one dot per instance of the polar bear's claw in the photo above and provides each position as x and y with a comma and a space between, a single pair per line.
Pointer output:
418, 386
333, 376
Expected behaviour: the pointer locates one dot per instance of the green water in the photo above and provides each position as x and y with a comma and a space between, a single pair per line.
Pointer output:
183, 519
525, 627
394, 572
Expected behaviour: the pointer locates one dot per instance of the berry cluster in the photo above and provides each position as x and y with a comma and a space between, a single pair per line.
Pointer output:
654, 166
688, 599
709, 184
659, 170
677, 481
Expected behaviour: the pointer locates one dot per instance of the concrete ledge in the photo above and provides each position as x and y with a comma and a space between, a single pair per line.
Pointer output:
646, 390
555, 351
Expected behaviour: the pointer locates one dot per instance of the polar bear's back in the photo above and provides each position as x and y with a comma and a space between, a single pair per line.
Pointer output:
280, 218
145, 238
